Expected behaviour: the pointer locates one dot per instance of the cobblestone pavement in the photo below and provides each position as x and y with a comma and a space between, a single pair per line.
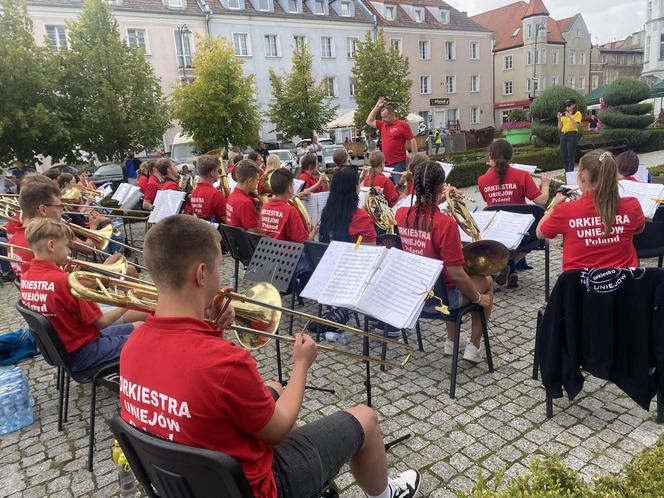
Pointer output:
497, 421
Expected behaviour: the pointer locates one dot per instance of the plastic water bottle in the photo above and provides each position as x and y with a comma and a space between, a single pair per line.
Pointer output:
126, 480
116, 451
15, 401
336, 337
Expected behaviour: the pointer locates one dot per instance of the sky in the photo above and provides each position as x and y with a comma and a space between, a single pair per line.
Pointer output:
607, 20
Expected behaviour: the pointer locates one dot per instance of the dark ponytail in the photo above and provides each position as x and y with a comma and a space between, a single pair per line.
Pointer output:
500, 151
427, 179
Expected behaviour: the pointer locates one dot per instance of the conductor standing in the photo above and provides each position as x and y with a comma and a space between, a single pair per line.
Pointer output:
568, 124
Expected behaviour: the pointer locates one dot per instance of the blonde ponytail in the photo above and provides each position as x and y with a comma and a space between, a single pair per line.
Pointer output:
602, 173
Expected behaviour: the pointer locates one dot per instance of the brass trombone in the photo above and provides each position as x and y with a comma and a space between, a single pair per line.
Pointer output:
257, 312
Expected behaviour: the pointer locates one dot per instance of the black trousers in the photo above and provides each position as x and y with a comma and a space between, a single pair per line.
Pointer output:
568, 143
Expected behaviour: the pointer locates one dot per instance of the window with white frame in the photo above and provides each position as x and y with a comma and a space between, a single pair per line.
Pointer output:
578, 33
292, 6
452, 114
326, 46
418, 14
234, 4
272, 46
264, 5
555, 56
532, 84
529, 30
450, 84
183, 45
352, 88
661, 46
390, 12
504, 115
474, 50
647, 50
595, 81
444, 16
508, 88
475, 115
450, 51
555, 80
475, 83
425, 85
537, 56
508, 62
352, 47
319, 7
137, 38
329, 87
57, 36
424, 50
529, 58
582, 82
572, 58
241, 44
582, 57
572, 82
299, 42
176, 4
395, 44
345, 9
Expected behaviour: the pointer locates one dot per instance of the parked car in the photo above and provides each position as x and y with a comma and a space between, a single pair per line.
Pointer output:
74, 169
286, 156
108, 172
273, 145
328, 152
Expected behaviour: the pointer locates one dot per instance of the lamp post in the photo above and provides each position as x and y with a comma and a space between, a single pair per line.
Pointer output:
538, 28
184, 31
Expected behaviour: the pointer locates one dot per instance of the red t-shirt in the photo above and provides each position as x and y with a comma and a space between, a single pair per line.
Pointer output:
361, 224
281, 221
207, 202
169, 184
151, 189
23, 258
45, 289
443, 242
12, 226
393, 139
516, 187
631, 178
179, 380
309, 181
389, 191
142, 183
241, 210
584, 245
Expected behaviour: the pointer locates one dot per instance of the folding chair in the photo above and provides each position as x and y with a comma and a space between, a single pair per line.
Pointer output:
240, 246
650, 242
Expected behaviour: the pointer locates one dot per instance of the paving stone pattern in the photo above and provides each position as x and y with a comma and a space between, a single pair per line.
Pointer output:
497, 421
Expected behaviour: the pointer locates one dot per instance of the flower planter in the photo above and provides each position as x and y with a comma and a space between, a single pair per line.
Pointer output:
517, 136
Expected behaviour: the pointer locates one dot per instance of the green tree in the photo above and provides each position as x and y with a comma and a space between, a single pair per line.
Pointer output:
218, 109
626, 118
112, 94
32, 121
379, 71
301, 106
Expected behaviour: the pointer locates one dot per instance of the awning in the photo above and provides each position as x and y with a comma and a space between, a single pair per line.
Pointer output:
344, 119
657, 90
593, 97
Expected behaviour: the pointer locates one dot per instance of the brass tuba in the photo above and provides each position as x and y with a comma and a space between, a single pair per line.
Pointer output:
295, 201
481, 257
223, 172
380, 211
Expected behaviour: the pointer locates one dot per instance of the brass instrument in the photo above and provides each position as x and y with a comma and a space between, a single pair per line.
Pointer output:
572, 194
257, 312
481, 257
297, 203
89, 191
554, 181
223, 172
380, 211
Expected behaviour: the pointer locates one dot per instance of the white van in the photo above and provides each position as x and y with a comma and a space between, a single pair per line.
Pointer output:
182, 150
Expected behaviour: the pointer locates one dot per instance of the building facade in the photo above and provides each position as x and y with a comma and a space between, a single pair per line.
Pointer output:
653, 56
617, 59
532, 52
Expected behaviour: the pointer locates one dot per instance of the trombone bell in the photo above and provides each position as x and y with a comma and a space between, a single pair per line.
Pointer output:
254, 316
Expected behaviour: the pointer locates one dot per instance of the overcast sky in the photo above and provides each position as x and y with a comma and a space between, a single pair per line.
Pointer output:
607, 20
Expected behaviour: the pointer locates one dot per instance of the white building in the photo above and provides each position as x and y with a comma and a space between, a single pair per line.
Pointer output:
653, 57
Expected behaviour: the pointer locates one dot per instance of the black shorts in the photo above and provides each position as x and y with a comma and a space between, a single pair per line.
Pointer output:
313, 454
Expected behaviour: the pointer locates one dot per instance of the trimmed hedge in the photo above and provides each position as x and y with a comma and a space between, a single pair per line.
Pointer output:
552, 101
635, 109
548, 133
626, 91
657, 170
615, 119
635, 138
655, 140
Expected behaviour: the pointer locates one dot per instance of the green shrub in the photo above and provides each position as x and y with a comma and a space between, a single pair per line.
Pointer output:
655, 140
552, 101
517, 115
548, 133
626, 91
614, 118
635, 109
635, 138
657, 170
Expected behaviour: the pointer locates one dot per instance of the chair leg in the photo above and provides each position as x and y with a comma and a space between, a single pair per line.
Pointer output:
237, 273
549, 407
383, 352
659, 261
660, 408
404, 336
58, 380
93, 402
320, 314
547, 258
455, 356
535, 354
290, 321
487, 346
66, 406
61, 398
357, 319
367, 364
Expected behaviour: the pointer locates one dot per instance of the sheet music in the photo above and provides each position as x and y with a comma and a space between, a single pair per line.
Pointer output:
397, 292
132, 198
525, 167
363, 196
644, 193
297, 185
642, 173
404, 201
121, 193
166, 203
314, 204
508, 228
447, 167
571, 177
482, 219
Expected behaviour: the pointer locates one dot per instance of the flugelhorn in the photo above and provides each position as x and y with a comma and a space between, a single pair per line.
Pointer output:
257, 312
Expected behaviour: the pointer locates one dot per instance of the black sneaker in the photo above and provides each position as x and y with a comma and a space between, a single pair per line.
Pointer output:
10, 276
513, 281
501, 278
404, 485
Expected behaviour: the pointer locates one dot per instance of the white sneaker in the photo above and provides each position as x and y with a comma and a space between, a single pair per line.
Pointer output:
449, 346
472, 353
405, 485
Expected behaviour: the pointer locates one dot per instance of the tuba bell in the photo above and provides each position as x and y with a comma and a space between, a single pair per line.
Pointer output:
380, 211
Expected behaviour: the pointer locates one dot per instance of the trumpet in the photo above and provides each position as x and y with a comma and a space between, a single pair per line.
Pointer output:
257, 312
554, 181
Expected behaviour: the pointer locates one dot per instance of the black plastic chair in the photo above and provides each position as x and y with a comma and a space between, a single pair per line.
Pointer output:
650, 242
56, 354
237, 242
456, 316
659, 214
530, 242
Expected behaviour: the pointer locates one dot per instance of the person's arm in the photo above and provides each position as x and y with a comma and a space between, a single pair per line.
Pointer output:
539, 196
560, 120
289, 403
413, 146
314, 188
371, 119
463, 282
109, 318
558, 199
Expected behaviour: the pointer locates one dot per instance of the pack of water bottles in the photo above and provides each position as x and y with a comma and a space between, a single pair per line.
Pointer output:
15, 401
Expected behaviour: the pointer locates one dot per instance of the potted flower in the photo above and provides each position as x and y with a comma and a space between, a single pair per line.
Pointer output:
517, 128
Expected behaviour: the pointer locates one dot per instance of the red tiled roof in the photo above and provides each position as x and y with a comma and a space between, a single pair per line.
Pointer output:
278, 11
504, 22
458, 20
566, 24
535, 8
133, 5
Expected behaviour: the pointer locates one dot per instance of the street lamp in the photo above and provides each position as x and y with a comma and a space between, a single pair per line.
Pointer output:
184, 31
538, 28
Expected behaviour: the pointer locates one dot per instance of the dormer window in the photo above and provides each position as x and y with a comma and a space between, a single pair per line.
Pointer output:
264, 5
319, 7
390, 12
418, 14
444, 16
234, 4
292, 6
176, 4
345, 9
516, 32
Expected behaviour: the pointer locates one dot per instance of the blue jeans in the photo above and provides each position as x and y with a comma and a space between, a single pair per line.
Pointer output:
400, 166
106, 348
4, 264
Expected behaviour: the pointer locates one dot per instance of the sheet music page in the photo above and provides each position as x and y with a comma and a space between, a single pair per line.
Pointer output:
297, 185
121, 193
642, 173
131, 199
483, 219
363, 195
166, 203
571, 177
524, 167
404, 201
508, 228
644, 193
323, 271
447, 167
399, 288
321, 199
311, 205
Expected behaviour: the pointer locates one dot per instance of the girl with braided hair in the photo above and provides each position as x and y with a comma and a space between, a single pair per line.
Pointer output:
378, 180
426, 231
